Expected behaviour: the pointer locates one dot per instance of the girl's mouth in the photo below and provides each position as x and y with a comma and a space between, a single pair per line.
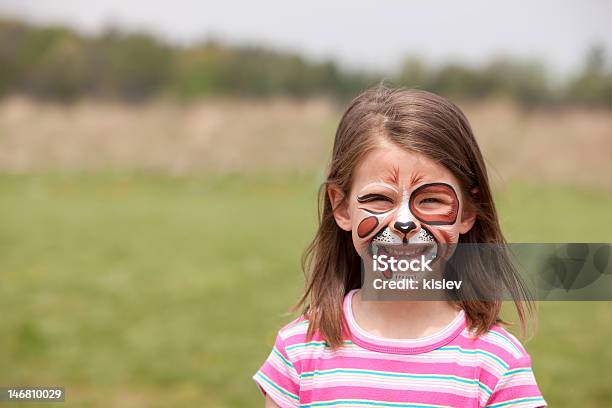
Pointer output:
387, 243
405, 251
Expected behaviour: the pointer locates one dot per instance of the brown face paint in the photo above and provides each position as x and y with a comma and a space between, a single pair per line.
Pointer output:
366, 226
445, 213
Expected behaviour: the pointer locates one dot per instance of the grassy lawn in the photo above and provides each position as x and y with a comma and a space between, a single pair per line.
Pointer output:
151, 291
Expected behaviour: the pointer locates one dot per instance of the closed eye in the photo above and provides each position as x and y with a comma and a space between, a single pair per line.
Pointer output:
369, 198
431, 200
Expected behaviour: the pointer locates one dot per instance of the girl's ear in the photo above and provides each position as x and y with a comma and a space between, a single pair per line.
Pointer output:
468, 216
340, 207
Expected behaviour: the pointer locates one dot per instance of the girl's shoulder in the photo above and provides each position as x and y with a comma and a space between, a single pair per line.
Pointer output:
294, 341
294, 345
294, 332
502, 344
511, 381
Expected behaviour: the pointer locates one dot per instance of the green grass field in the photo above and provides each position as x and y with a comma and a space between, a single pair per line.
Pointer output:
152, 291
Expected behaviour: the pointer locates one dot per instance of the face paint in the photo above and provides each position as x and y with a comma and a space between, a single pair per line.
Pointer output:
367, 226
435, 204
375, 203
385, 238
400, 202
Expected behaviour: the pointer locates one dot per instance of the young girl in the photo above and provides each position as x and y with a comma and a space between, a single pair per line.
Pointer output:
405, 168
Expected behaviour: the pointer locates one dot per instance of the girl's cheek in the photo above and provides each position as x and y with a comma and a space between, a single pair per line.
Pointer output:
367, 226
361, 246
362, 234
445, 234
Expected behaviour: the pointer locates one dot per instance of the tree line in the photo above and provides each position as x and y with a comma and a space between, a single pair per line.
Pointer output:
55, 62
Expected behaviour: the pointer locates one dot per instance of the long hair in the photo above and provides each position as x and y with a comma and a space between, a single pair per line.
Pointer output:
431, 125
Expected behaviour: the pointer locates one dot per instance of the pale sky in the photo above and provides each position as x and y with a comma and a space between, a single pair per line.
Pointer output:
374, 34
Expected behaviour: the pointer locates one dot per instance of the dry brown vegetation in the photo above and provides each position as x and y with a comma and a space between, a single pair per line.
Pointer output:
570, 146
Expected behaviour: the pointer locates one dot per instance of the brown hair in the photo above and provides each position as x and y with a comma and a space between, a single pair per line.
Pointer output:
422, 122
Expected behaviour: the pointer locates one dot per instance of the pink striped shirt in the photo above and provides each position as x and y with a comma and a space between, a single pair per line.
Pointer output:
451, 368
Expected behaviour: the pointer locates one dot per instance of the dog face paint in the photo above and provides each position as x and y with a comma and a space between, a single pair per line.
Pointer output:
431, 204
435, 204
400, 197
374, 205
366, 226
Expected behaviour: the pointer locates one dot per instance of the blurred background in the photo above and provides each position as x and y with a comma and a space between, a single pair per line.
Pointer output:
159, 164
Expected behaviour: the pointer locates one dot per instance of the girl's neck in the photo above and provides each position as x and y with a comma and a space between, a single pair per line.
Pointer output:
402, 319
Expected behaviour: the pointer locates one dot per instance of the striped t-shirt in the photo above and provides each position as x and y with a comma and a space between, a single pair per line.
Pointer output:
451, 368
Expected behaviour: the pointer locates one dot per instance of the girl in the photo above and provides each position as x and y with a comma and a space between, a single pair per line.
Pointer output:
405, 168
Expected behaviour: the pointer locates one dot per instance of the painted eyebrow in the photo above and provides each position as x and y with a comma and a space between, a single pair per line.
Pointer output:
435, 184
380, 184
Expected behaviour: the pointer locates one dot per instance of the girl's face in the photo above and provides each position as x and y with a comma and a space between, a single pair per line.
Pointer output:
400, 197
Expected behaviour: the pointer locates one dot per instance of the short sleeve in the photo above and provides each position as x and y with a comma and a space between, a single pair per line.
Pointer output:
517, 388
278, 378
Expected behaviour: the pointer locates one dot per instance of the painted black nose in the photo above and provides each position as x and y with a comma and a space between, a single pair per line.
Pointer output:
405, 227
